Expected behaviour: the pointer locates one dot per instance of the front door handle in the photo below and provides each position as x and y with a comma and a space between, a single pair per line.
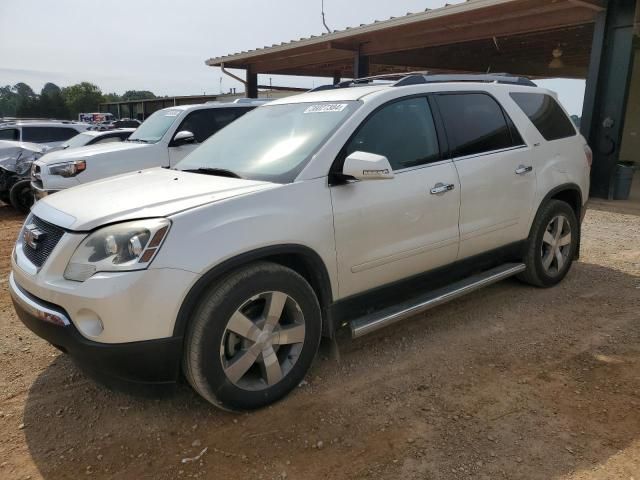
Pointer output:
441, 188
521, 170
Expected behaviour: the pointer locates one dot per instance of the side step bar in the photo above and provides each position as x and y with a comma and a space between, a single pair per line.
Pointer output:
377, 320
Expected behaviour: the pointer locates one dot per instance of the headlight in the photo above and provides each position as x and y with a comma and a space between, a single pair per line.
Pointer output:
68, 169
120, 247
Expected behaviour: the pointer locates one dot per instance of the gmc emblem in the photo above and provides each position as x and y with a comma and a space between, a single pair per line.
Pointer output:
32, 236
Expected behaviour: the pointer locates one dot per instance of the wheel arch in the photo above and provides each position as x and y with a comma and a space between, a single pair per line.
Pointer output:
301, 259
571, 194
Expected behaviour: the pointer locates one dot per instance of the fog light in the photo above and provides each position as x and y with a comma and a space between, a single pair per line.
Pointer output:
89, 323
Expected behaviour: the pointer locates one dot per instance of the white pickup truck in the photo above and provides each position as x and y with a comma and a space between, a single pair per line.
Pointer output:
162, 140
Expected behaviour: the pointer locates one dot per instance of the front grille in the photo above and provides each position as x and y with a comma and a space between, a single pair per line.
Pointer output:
52, 235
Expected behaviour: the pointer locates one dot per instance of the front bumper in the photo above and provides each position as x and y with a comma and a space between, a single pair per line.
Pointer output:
151, 362
39, 193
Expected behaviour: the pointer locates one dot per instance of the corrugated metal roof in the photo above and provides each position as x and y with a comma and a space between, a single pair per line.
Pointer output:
428, 14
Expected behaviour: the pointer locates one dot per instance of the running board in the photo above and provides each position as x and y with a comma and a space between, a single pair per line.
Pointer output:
377, 320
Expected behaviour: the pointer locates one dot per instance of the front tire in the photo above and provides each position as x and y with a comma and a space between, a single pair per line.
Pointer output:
21, 196
552, 245
253, 337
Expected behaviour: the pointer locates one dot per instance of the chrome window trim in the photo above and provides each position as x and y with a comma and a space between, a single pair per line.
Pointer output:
491, 152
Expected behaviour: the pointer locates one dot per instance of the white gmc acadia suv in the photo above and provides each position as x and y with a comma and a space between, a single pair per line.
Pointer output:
358, 205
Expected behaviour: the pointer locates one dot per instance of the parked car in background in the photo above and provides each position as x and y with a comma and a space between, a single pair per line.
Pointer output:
360, 205
95, 117
16, 159
92, 137
126, 123
45, 132
164, 139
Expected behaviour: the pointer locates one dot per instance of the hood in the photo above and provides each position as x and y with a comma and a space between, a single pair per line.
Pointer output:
156, 192
18, 156
91, 151
9, 147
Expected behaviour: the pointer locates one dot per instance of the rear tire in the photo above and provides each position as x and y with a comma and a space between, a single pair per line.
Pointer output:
552, 244
21, 196
253, 337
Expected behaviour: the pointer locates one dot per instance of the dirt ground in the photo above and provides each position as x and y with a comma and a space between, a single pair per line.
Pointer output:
509, 382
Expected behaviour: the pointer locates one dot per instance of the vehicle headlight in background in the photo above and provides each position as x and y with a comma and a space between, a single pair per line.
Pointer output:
120, 247
68, 169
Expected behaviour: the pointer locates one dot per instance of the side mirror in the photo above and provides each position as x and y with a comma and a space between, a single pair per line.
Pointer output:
367, 166
182, 138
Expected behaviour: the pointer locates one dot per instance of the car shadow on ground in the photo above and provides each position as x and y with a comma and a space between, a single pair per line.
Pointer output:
475, 389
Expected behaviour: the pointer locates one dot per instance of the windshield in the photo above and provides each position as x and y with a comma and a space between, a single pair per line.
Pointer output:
154, 127
78, 140
271, 143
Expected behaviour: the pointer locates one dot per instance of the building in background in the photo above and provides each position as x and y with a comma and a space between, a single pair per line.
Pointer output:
141, 109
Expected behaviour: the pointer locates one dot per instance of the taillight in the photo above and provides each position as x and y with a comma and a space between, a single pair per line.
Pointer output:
589, 154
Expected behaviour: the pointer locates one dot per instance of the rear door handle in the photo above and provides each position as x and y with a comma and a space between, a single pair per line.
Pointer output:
521, 170
442, 188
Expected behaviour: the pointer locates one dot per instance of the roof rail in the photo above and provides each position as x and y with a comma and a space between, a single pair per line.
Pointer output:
422, 77
252, 101
356, 82
505, 78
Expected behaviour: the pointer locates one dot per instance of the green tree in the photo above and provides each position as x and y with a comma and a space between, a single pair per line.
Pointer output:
26, 100
8, 101
82, 97
111, 97
137, 95
52, 103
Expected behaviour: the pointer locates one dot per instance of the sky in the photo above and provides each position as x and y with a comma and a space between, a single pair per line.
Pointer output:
161, 45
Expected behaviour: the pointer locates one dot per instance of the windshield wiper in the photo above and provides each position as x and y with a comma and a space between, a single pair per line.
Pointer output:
137, 140
219, 172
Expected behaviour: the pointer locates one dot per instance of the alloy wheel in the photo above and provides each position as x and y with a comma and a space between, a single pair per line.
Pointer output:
262, 341
556, 245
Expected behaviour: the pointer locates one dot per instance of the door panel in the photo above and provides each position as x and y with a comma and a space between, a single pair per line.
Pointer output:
178, 153
387, 230
495, 200
496, 171
392, 229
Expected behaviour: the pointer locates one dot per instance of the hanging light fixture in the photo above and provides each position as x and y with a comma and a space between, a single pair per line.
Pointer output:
556, 62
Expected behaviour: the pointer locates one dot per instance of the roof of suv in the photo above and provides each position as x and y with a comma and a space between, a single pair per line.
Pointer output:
42, 123
360, 88
239, 103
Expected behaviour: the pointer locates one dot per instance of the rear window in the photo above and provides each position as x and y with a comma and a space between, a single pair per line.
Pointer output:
476, 124
545, 113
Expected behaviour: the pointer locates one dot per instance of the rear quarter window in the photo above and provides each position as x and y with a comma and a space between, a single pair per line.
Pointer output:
10, 134
545, 113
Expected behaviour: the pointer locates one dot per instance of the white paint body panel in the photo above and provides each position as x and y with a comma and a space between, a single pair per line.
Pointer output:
387, 230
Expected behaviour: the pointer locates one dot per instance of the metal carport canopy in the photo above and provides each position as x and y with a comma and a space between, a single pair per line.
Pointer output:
517, 36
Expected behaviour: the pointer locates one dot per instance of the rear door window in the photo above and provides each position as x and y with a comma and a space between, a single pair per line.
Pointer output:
9, 134
402, 131
475, 124
47, 134
545, 113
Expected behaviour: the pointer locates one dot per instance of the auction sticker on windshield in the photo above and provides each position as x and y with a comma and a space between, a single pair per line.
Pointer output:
326, 107
172, 113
